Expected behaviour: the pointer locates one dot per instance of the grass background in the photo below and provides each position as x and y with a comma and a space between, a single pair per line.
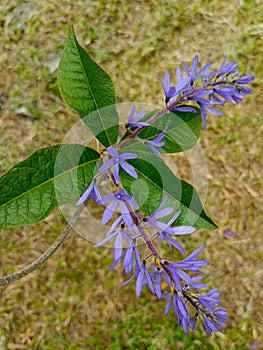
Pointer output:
73, 302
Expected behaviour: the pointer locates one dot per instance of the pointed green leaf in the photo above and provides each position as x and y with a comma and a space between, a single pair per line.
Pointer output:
182, 130
155, 181
87, 88
50, 177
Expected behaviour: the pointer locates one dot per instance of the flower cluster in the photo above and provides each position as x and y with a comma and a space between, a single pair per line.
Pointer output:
161, 274
208, 88
177, 282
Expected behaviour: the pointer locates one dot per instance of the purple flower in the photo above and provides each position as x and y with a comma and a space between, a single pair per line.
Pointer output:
179, 75
169, 91
180, 310
192, 74
228, 93
119, 235
232, 93
212, 315
247, 79
143, 277
254, 345
132, 255
211, 300
118, 198
167, 230
228, 85
190, 263
181, 87
207, 309
215, 321
230, 68
218, 87
201, 96
93, 192
133, 120
158, 214
208, 77
243, 90
228, 233
157, 276
156, 142
205, 107
193, 94
119, 160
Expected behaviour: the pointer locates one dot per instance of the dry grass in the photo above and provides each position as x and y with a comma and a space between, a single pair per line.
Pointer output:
73, 302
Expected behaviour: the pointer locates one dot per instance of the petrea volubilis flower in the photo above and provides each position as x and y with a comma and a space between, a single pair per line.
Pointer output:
180, 310
131, 254
229, 234
191, 264
213, 316
158, 214
117, 161
119, 235
133, 120
205, 107
230, 68
211, 300
207, 88
167, 231
158, 277
118, 198
169, 91
156, 142
213, 322
93, 192
144, 277
247, 79
192, 74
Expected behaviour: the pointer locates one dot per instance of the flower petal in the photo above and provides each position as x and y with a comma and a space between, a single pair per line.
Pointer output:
128, 155
183, 230
129, 169
107, 165
113, 152
109, 211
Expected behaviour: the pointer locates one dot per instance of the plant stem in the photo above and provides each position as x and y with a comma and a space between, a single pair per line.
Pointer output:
45, 256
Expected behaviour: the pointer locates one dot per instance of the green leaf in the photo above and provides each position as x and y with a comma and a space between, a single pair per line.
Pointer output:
155, 181
87, 88
182, 130
50, 177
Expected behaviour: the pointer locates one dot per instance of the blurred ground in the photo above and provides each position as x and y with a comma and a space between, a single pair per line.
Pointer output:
73, 302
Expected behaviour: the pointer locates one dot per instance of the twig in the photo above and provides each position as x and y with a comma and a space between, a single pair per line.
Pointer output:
45, 256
